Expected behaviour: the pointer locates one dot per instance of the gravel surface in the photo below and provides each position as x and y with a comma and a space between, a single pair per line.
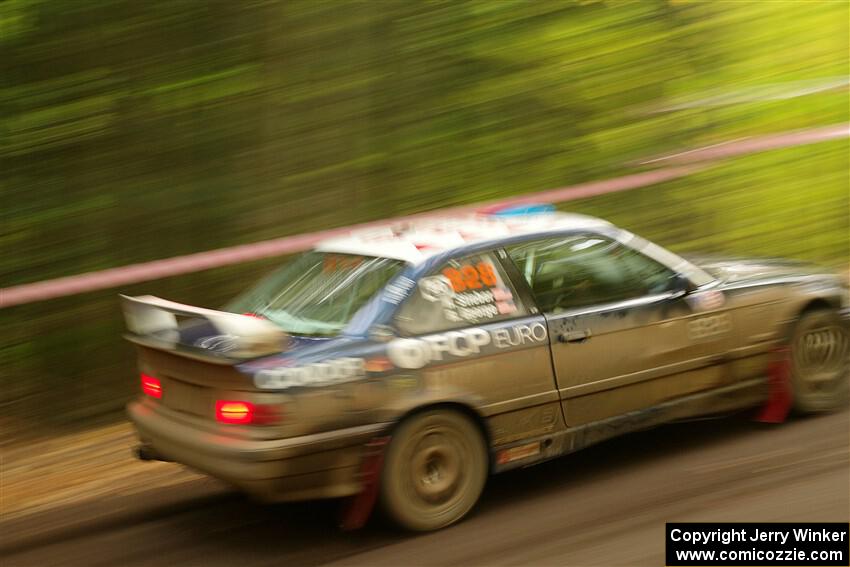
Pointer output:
84, 501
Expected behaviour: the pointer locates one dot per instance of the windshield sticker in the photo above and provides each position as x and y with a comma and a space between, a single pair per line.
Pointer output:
334, 262
417, 353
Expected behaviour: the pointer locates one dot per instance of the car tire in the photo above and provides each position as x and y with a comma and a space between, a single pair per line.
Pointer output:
434, 470
819, 346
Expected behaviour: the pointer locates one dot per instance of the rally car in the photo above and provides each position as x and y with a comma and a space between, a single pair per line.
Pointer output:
457, 347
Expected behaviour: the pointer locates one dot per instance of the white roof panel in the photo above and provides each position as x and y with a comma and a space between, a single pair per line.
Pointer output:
416, 240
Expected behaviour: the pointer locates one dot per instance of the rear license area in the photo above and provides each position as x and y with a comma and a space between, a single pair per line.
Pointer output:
191, 386
187, 398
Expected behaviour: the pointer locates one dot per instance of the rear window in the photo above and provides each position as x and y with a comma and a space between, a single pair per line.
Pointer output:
317, 293
473, 290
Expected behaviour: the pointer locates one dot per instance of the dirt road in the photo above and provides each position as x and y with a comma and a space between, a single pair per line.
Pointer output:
604, 506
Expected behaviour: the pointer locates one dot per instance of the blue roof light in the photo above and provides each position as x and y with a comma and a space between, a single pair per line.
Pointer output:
517, 210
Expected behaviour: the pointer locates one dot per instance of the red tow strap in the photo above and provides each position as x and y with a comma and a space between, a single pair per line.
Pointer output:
780, 396
357, 509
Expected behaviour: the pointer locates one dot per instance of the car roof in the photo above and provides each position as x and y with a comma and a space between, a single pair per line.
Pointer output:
416, 240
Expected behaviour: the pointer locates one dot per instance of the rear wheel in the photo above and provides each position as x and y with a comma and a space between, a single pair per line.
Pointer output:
434, 470
819, 362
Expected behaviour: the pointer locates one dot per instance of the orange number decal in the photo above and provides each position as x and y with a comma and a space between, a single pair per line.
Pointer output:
470, 277
456, 278
488, 276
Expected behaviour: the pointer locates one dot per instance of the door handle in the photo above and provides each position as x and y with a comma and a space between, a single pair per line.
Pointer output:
574, 336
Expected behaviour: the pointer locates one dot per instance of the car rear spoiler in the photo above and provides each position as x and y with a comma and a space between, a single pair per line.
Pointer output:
152, 321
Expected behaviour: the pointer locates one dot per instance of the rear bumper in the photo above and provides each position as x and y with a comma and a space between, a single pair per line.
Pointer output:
322, 465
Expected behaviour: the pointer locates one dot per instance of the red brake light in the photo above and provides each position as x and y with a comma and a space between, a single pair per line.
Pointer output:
234, 411
151, 386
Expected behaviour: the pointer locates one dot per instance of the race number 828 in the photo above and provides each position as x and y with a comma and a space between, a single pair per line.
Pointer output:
468, 276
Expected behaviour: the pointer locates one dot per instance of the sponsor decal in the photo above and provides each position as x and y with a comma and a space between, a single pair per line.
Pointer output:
435, 288
516, 453
417, 353
326, 373
396, 291
403, 382
708, 327
218, 343
438, 289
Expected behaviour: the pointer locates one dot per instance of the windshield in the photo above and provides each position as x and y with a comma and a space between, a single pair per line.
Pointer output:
317, 293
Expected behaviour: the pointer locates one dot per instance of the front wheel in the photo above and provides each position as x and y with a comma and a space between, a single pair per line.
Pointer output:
819, 362
434, 470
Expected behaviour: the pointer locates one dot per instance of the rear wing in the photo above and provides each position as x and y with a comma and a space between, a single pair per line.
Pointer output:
152, 322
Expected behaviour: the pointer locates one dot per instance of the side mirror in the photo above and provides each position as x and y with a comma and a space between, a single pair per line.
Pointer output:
679, 286
381, 333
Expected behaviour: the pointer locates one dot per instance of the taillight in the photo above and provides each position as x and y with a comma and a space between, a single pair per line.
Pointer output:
235, 411
151, 386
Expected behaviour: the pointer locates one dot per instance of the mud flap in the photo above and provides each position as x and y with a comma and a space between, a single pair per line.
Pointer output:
357, 509
780, 393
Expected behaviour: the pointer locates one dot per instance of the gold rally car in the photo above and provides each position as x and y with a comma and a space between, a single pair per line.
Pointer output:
440, 351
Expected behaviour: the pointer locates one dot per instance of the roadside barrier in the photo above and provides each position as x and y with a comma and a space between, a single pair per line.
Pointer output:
691, 161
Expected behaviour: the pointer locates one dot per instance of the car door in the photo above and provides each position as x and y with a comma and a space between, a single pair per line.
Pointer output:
471, 336
622, 337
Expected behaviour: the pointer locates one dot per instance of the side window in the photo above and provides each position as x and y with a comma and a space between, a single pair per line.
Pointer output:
463, 292
656, 277
584, 270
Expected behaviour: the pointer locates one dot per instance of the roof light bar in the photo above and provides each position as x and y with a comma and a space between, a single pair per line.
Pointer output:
518, 210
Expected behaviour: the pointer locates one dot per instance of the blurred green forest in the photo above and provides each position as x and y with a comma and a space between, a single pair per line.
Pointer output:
133, 131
